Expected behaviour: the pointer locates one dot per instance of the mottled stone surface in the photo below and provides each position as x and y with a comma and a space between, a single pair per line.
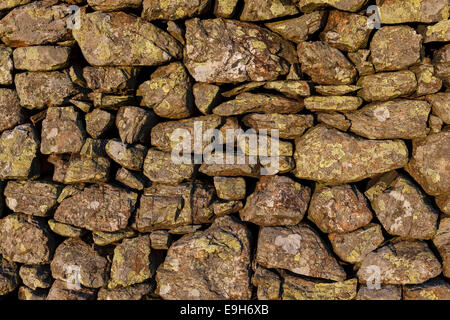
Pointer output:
9, 278
257, 10
386, 292
174, 9
402, 11
440, 105
11, 112
134, 292
230, 188
98, 122
41, 58
348, 5
134, 124
205, 96
289, 126
110, 80
331, 156
442, 242
6, 66
128, 156
210, 264
61, 291
333, 103
435, 289
113, 5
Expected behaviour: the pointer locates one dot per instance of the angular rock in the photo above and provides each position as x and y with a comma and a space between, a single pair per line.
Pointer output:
168, 92
397, 119
298, 249
325, 64
276, 201
130, 179
75, 259
427, 82
435, 289
111, 102
26, 293
41, 58
159, 167
328, 155
10, 110
401, 262
386, 292
223, 208
65, 230
268, 284
348, 5
336, 90
354, 246
40, 22
98, 208
160, 240
339, 209
173, 10
9, 278
334, 120
113, 5
6, 66
13, 3
229, 188
291, 88
442, 242
132, 263
206, 96
110, 80
120, 39
224, 51
36, 198
435, 123
333, 103
26, 239
404, 11
135, 292
346, 31
98, 122
86, 169
212, 264
240, 166
395, 48
60, 290
441, 61
387, 86
134, 124
36, 277
440, 32
441, 106
225, 8
176, 31
429, 164
128, 156
18, 151
443, 202
298, 29
360, 60
38, 90
289, 126
262, 103
62, 131
258, 10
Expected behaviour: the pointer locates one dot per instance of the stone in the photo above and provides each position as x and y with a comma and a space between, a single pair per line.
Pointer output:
230, 188
36, 198
325, 64
173, 9
74, 258
346, 31
425, 11
161, 240
86, 169
361, 61
9, 277
435, 123
400, 262
128, 156
225, 8
339, 209
206, 96
60, 290
13, 3
41, 58
429, 164
133, 262
62, 131
291, 88
134, 124
296, 288
434, 289
176, 31
98, 208
113, 5
159, 167
38, 90
130, 179
268, 284
386, 292
6, 66
331, 156
334, 120
25, 293
240, 166
110, 79
243, 88
259, 10
111, 102
18, 153
134, 292
442, 242
354, 246
208, 265
103, 238
259, 102
230, 51
289, 126
395, 48
247, 144
26, 239
98, 122
396, 119
441, 62
440, 105
299, 29
443, 202
168, 92
440, 32
404, 210
333, 103
37, 23
65, 230
298, 249
12, 114
348, 5
121, 39
276, 201
36, 277
427, 82
222, 208
336, 90
387, 86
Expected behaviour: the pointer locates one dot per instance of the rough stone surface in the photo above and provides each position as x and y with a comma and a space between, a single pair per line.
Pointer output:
403, 11
9, 278
12, 114
41, 58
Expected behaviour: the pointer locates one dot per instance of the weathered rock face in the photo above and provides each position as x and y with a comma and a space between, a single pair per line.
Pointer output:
289, 126
6, 66
12, 114
339, 209
35, 277
442, 242
9, 278
331, 156
440, 105
41, 58
298, 249
402, 262
435, 289
128, 156
134, 124
385, 292
348, 5
210, 264
257, 10
74, 258
113, 5
333, 103
224, 51
124, 41
135, 292
110, 80
429, 164
98, 208
173, 10
277, 201
60, 291
26, 239
426, 11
